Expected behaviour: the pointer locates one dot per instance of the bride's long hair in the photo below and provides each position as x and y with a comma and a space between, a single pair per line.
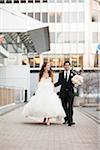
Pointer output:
50, 72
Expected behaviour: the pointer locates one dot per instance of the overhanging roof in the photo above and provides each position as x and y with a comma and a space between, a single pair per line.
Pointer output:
11, 21
33, 33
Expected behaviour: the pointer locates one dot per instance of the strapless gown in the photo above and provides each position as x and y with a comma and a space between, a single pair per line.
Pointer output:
45, 102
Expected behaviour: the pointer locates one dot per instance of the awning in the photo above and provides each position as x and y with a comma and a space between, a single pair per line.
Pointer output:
32, 33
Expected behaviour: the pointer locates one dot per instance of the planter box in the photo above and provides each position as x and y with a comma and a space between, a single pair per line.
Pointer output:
98, 107
78, 101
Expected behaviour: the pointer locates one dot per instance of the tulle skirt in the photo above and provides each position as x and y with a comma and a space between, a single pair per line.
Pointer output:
44, 104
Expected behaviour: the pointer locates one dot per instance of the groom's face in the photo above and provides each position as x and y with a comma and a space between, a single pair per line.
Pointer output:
67, 66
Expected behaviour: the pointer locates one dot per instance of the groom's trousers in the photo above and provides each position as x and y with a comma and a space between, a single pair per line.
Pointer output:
67, 103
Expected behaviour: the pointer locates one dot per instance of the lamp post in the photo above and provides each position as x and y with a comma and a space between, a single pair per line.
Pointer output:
97, 54
97, 63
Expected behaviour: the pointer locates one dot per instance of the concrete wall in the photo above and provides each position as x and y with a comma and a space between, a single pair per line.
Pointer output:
17, 77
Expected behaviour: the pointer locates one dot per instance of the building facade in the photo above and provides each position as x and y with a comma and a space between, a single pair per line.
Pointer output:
74, 30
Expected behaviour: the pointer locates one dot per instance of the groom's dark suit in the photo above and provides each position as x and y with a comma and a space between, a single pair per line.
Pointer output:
66, 94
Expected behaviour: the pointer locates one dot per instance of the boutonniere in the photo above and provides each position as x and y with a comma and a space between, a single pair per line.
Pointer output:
71, 74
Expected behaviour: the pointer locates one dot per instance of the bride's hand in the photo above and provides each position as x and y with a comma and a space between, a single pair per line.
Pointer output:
54, 88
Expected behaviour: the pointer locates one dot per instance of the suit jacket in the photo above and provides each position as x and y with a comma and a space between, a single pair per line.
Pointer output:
66, 86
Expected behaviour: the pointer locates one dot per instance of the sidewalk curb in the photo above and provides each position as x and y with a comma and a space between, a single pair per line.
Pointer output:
94, 118
10, 108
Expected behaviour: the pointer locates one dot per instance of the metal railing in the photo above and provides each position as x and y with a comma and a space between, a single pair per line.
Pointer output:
89, 92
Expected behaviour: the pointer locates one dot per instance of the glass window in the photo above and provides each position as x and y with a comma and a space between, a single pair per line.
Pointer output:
16, 1
37, 1
59, 17
37, 61
66, 17
58, 60
81, 1
59, 1
23, 1
73, 17
99, 17
81, 37
73, 61
95, 37
55, 61
30, 14
80, 61
81, 17
44, 17
2, 1
30, 1
66, 58
67, 1
45, 1
8, 1
52, 37
37, 16
66, 37
59, 37
73, 1
52, 17
73, 37
46, 59
31, 62
51, 1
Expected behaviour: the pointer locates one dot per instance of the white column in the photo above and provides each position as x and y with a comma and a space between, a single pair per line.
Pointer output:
19, 59
87, 51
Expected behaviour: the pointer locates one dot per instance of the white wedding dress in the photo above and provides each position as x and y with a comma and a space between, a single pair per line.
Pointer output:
45, 102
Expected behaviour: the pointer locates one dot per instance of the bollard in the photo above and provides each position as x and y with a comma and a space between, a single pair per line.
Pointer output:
25, 96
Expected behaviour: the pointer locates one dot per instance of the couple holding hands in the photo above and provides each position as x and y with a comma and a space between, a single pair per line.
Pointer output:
45, 103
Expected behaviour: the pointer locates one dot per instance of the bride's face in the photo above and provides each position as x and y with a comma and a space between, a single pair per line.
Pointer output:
47, 68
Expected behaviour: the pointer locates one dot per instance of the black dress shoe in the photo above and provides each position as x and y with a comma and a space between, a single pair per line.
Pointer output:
65, 122
72, 123
44, 121
69, 124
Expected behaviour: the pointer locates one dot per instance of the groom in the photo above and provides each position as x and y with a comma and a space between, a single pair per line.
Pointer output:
67, 92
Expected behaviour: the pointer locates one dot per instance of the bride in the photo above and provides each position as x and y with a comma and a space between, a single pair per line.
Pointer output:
45, 103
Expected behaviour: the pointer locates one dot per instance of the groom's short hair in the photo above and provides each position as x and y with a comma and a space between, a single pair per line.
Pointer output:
67, 62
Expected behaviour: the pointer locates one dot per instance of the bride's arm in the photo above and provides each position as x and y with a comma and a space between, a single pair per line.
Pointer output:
53, 87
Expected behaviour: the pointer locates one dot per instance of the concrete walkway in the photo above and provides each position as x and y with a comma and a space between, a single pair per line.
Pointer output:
18, 133
91, 112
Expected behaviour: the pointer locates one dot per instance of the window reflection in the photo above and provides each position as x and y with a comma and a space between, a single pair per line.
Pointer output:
52, 17
56, 60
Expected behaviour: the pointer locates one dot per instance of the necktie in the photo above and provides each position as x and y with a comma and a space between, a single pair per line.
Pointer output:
66, 75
